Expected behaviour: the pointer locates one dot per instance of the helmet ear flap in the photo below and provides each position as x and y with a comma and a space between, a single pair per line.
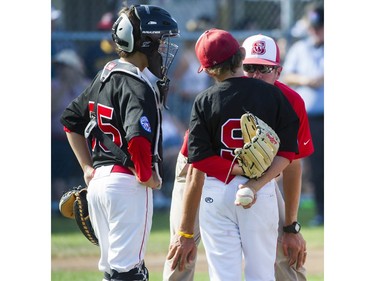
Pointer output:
122, 33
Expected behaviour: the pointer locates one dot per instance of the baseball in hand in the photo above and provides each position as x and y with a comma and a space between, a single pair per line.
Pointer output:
244, 196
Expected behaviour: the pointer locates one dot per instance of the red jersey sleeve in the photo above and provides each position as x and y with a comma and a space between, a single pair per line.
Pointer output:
305, 143
140, 152
215, 166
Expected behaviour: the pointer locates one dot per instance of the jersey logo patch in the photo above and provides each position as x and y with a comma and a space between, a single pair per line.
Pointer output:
145, 124
110, 65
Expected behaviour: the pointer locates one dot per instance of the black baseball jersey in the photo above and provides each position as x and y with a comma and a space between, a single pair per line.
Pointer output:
127, 106
215, 118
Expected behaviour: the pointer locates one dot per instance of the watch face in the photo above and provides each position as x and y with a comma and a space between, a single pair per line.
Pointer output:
298, 227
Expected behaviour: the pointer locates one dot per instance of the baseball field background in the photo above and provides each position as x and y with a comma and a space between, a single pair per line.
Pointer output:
74, 258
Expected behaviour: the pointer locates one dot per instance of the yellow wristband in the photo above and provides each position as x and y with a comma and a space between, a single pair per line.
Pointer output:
186, 235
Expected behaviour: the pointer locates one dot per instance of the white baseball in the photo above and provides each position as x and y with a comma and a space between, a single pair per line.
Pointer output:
244, 196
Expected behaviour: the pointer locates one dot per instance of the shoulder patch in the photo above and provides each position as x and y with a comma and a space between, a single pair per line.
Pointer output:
145, 124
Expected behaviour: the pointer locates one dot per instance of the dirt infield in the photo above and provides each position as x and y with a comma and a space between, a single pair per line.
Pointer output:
155, 262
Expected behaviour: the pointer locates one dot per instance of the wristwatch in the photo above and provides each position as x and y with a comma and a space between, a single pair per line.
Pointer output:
295, 227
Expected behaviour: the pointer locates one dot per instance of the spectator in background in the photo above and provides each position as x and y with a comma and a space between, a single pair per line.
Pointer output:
55, 16
58, 45
69, 81
304, 71
186, 80
173, 133
98, 54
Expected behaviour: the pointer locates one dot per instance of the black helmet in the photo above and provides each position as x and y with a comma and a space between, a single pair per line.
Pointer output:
156, 22
156, 27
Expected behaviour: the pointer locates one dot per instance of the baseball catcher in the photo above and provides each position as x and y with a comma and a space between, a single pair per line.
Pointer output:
73, 205
261, 144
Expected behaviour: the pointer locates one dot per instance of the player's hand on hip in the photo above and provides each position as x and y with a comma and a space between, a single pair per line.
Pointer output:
154, 181
181, 251
88, 174
294, 246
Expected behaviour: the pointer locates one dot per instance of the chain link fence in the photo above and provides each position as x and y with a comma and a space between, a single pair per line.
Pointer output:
78, 22
79, 18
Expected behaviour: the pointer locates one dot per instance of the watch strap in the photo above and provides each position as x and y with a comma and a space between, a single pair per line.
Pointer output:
295, 227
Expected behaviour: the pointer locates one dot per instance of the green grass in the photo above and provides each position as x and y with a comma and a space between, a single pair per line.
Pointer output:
76, 275
67, 241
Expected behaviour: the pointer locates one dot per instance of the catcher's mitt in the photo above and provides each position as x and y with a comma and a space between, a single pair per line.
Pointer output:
73, 205
261, 144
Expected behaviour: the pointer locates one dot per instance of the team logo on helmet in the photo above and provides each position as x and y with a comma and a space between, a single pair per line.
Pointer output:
259, 48
145, 124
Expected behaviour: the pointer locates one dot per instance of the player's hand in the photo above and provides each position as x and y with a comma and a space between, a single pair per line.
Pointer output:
182, 251
248, 206
294, 247
156, 180
88, 174
153, 182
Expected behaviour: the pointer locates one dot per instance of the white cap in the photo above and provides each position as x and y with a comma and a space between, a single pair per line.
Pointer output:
69, 57
261, 49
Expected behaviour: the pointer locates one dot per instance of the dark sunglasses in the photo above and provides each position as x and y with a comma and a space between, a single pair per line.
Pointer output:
260, 67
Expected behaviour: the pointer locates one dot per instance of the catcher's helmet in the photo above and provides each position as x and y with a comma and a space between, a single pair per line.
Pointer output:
156, 23
156, 27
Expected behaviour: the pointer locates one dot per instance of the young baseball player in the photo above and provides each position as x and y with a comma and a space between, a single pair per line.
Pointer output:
262, 62
122, 104
229, 232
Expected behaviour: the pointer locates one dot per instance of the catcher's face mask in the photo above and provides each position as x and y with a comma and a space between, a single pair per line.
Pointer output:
161, 59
